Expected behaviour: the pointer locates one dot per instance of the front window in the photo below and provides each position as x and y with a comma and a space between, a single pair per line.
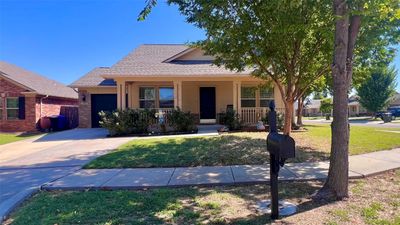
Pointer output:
166, 97
12, 108
147, 97
248, 97
266, 96
1, 108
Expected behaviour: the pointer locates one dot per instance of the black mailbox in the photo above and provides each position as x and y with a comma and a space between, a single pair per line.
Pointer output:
281, 145
280, 148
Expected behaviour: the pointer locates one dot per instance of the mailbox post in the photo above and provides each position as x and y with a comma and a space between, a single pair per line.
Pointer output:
280, 148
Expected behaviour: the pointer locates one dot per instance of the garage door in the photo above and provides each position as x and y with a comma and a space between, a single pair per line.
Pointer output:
102, 102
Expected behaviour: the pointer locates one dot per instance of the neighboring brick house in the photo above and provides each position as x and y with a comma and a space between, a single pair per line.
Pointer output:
25, 97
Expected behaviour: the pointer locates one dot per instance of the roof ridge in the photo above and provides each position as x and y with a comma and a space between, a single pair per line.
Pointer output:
164, 44
31, 72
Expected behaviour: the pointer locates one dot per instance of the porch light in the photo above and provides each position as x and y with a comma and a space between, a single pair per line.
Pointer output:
83, 97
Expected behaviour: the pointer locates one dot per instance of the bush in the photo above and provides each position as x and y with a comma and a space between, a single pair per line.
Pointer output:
280, 119
127, 121
182, 121
231, 119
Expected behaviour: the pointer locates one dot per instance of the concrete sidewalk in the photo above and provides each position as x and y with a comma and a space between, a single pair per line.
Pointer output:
360, 166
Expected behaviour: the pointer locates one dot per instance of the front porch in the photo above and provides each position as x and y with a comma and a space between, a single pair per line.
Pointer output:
206, 98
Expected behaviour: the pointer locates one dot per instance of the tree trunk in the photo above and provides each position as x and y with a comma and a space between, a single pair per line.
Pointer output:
287, 128
300, 111
336, 184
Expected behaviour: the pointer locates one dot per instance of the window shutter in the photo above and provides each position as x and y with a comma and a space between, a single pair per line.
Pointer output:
21, 111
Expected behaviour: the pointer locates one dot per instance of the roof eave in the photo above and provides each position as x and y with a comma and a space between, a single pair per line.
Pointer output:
5, 76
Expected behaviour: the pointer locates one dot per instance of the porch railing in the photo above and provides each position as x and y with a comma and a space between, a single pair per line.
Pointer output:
164, 112
251, 115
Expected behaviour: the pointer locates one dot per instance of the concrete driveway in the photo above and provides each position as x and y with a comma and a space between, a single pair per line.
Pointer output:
26, 165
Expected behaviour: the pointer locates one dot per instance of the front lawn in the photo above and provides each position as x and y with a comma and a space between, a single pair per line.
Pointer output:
11, 137
362, 139
239, 148
369, 204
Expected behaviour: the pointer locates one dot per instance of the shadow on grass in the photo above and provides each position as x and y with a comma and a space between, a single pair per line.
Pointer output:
206, 151
216, 205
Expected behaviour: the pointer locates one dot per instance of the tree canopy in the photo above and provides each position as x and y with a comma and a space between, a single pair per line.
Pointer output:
288, 42
326, 105
376, 91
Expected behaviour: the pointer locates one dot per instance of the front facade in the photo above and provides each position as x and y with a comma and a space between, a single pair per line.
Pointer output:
25, 97
312, 108
163, 77
395, 101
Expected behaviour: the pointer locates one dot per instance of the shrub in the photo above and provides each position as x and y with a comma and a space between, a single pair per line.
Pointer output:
127, 121
280, 119
231, 119
182, 121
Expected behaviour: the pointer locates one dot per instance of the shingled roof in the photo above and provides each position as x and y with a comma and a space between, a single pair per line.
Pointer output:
94, 78
154, 60
35, 82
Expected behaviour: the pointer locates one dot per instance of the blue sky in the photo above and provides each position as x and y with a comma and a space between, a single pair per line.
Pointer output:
64, 39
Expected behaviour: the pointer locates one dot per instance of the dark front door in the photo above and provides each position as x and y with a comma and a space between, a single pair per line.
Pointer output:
207, 102
102, 102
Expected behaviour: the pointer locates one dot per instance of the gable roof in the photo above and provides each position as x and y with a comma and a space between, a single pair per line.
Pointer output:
35, 82
395, 100
312, 104
94, 78
157, 60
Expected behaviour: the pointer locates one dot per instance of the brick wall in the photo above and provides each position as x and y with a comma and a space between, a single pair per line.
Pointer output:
85, 117
33, 109
9, 89
52, 105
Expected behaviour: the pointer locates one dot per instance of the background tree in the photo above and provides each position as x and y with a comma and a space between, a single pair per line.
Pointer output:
326, 107
318, 89
376, 91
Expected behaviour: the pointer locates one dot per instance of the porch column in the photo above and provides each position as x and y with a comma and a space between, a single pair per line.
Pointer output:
129, 87
178, 94
237, 96
121, 94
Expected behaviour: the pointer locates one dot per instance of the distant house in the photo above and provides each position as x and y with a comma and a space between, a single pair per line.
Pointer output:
355, 108
395, 100
164, 76
312, 107
25, 97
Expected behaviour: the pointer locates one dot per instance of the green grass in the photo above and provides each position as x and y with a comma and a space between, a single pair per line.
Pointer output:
362, 139
170, 152
214, 205
238, 148
217, 205
6, 138
313, 117
341, 214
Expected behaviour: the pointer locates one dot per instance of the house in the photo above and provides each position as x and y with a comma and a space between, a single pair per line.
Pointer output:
355, 108
312, 107
395, 101
25, 97
165, 76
